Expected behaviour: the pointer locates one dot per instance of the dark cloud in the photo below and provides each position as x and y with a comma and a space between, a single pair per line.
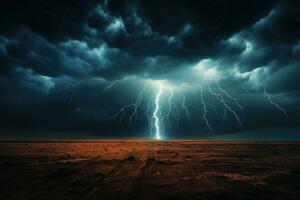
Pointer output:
202, 23
55, 20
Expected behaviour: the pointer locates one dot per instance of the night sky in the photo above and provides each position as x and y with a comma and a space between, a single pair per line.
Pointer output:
208, 68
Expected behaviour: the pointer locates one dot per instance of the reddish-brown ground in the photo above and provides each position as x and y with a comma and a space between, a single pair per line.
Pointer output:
149, 170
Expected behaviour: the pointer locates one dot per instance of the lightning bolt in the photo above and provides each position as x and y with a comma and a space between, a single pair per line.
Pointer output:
72, 85
204, 110
136, 105
149, 116
283, 110
213, 108
155, 114
68, 90
225, 114
230, 97
220, 98
134, 115
170, 105
246, 89
110, 86
185, 109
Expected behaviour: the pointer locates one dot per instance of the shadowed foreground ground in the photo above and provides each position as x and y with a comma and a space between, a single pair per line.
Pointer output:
149, 170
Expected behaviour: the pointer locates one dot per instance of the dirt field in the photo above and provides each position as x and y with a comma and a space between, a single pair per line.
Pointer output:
149, 170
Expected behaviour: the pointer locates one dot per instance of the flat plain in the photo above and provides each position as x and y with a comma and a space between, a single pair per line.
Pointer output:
138, 169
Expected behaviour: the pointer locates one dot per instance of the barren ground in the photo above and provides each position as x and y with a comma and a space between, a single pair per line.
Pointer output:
149, 170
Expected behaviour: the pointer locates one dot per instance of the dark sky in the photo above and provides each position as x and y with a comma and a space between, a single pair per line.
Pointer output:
68, 67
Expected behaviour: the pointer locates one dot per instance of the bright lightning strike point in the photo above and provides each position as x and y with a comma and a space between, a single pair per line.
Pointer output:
155, 117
